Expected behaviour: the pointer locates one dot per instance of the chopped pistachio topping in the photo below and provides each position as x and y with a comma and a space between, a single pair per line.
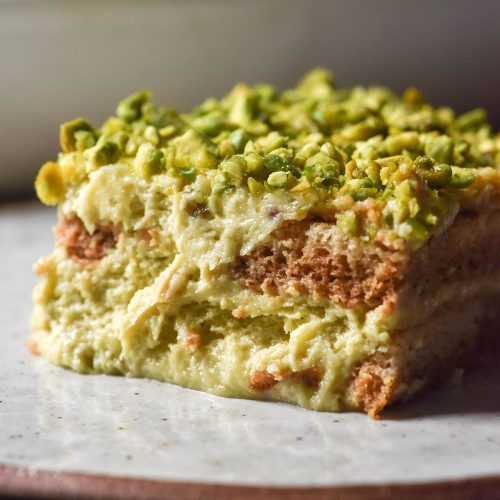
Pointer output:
49, 184
435, 175
339, 148
70, 136
349, 222
84, 139
130, 109
104, 152
149, 161
280, 179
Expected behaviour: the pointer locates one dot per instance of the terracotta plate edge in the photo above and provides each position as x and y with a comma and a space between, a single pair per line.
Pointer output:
19, 482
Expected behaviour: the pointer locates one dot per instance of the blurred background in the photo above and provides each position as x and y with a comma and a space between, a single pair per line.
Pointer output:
66, 58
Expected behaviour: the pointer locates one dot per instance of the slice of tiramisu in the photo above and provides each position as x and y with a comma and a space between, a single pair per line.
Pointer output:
333, 248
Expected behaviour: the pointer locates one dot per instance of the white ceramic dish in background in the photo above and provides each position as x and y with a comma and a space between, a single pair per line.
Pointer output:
60, 59
52, 419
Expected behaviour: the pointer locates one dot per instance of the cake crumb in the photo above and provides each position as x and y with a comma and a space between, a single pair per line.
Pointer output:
32, 346
261, 380
192, 342
240, 312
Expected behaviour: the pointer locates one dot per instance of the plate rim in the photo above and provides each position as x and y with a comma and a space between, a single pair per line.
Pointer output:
20, 481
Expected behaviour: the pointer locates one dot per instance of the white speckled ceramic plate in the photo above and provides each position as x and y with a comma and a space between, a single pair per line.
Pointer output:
56, 420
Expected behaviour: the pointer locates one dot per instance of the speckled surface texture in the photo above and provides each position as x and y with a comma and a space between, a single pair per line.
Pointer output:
58, 420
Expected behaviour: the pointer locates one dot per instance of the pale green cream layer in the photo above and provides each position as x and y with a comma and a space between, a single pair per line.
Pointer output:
133, 312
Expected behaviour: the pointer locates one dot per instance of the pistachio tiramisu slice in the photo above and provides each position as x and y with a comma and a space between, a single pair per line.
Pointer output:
333, 248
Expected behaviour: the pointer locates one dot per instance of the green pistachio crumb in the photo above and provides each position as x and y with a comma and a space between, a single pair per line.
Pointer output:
103, 153
278, 179
149, 161
49, 184
167, 131
129, 109
210, 124
461, 177
233, 169
363, 130
440, 149
220, 183
68, 130
274, 163
435, 175
204, 160
255, 164
188, 173
362, 193
431, 219
395, 144
255, 187
471, 120
151, 135
418, 230
413, 96
373, 172
325, 175
238, 140
84, 139
272, 141
349, 222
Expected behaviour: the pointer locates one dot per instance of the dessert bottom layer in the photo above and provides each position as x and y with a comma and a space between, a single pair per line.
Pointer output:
139, 313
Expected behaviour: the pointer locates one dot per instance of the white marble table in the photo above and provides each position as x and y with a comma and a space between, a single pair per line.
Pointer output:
56, 420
